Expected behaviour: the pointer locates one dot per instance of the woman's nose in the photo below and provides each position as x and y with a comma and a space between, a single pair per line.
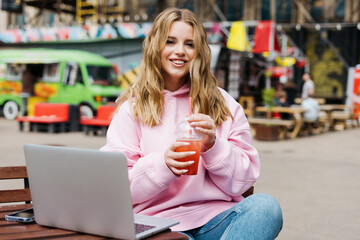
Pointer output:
180, 49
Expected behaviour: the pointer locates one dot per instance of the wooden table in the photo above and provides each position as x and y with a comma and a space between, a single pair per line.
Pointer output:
296, 113
15, 230
329, 109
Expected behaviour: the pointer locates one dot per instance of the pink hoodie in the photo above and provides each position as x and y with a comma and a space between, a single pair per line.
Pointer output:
226, 170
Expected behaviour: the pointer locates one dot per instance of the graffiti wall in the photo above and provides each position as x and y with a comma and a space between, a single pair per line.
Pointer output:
326, 68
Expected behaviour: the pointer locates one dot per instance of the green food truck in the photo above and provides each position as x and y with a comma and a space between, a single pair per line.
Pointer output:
62, 76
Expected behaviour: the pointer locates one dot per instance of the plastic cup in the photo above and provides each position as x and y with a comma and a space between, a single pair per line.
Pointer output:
186, 133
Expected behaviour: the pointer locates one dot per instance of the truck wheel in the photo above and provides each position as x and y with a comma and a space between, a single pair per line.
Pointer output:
10, 110
86, 111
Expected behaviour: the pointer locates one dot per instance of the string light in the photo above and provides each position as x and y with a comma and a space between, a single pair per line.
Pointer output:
338, 27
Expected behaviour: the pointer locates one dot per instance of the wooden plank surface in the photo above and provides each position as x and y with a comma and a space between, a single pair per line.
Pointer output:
15, 230
16, 195
16, 172
271, 121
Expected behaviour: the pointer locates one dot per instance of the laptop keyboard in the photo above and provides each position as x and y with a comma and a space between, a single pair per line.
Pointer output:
141, 227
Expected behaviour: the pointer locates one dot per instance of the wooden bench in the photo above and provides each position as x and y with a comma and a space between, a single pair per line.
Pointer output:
50, 115
284, 125
15, 195
319, 100
317, 126
100, 122
339, 119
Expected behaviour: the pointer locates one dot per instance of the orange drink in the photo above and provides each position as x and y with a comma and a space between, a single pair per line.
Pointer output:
186, 133
195, 145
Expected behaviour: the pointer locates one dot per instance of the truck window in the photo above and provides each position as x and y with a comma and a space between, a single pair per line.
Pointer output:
72, 74
51, 72
2, 70
14, 71
98, 75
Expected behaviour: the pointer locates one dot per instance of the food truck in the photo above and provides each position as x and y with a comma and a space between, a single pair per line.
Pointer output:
62, 76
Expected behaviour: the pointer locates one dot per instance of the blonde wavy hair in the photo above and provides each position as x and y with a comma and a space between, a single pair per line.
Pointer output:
147, 91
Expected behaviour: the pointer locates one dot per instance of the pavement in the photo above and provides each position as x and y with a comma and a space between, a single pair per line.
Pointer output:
316, 179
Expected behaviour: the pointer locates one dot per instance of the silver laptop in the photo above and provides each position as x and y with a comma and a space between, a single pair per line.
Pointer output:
86, 191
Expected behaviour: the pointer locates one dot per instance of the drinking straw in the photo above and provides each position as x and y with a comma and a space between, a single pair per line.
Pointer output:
190, 112
190, 105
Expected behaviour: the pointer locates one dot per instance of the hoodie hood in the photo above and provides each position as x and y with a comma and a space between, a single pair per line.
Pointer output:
184, 90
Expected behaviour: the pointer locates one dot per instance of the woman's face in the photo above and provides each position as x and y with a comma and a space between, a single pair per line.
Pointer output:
177, 55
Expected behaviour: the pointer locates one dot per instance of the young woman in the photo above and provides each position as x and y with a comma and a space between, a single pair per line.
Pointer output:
209, 205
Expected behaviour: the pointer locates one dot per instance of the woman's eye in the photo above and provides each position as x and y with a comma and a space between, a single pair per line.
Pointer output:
170, 42
190, 44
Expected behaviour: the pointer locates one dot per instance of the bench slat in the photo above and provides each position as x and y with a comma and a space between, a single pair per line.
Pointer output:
95, 122
340, 115
16, 172
17, 195
43, 119
279, 122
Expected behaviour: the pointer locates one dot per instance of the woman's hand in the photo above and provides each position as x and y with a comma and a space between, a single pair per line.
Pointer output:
171, 158
205, 125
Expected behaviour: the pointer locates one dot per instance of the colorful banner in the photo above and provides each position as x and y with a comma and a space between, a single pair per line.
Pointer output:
238, 39
285, 61
265, 39
215, 35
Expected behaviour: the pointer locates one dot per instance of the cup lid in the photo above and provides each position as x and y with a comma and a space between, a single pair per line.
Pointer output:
185, 130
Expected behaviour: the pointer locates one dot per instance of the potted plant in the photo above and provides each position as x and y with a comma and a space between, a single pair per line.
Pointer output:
268, 99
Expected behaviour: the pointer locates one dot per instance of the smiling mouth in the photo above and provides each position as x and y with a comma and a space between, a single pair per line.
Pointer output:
178, 62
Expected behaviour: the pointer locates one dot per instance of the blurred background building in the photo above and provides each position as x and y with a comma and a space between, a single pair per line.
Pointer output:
325, 32
20, 13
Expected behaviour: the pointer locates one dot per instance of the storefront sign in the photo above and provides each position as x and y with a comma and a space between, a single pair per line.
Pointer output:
278, 71
353, 87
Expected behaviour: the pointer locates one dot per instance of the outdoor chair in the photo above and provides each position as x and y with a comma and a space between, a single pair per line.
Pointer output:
15, 195
101, 121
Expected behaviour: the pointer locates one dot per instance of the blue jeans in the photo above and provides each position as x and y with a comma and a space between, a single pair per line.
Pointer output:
257, 217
